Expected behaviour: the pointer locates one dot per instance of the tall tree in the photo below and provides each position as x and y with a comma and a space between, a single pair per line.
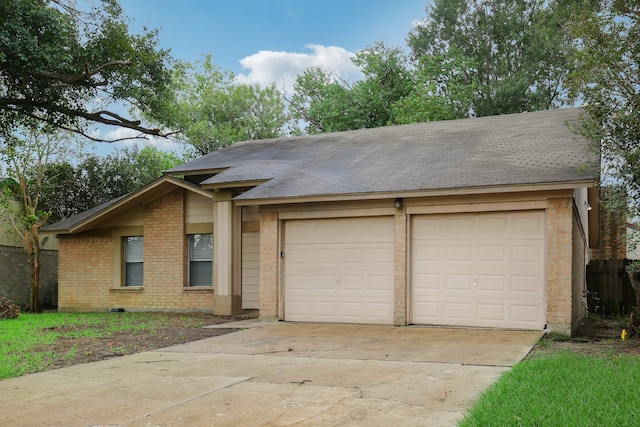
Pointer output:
66, 68
328, 104
516, 53
608, 80
440, 92
211, 110
70, 189
27, 159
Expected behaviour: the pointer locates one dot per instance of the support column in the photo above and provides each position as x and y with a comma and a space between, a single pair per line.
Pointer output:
227, 298
559, 264
269, 262
400, 268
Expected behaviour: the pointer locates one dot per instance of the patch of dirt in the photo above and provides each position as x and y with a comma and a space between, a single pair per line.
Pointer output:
595, 336
176, 329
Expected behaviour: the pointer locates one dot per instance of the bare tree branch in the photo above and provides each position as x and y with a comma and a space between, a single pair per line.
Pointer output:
103, 116
84, 77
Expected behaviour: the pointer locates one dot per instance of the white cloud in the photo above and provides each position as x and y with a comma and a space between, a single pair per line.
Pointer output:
266, 66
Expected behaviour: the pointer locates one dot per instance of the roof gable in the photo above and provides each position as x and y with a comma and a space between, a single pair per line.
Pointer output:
101, 214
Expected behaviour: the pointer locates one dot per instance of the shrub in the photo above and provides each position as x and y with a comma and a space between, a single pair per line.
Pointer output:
8, 310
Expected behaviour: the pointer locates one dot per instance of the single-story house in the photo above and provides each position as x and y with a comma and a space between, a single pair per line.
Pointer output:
483, 222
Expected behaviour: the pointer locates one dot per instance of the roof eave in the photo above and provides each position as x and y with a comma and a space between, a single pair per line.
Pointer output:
565, 185
190, 172
234, 184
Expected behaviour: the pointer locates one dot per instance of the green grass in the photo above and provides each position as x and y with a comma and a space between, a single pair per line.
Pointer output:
564, 389
24, 340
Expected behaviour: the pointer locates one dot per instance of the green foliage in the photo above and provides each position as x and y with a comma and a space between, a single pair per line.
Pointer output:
562, 390
55, 61
328, 104
513, 55
435, 97
211, 111
608, 81
71, 189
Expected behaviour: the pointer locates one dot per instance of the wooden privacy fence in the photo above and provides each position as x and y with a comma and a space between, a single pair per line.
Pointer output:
609, 290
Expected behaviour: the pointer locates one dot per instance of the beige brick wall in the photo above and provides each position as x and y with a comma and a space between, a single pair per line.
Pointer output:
559, 264
85, 272
400, 268
87, 265
269, 261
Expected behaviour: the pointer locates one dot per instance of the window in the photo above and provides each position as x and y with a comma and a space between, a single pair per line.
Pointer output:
133, 260
200, 259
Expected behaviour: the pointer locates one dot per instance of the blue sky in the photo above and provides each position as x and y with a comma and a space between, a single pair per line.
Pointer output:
235, 29
265, 41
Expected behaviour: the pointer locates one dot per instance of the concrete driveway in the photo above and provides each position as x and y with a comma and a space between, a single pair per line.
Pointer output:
278, 374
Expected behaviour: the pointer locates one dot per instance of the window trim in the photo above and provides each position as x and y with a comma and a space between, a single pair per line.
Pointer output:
124, 240
203, 260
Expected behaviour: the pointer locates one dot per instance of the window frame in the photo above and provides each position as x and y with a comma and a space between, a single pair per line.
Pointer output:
126, 262
190, 260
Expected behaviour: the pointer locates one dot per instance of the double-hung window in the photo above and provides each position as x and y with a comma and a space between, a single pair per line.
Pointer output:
133, 260
200, 259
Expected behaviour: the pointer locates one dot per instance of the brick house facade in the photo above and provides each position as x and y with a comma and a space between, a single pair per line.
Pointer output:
387, 225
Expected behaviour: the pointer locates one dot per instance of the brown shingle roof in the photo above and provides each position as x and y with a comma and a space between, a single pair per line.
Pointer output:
514, 149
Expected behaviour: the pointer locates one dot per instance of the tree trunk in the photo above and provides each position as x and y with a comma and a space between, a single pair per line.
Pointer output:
35, 274
634, 278
33, 251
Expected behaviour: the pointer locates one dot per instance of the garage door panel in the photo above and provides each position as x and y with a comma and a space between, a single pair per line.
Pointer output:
524, 313
531, 254
495, 283
530, 285
491, 312
428, 282
498, 268
347, 265
426, 251
454, 282
491, 253
527, 226
458, 310
494, 224
458, 253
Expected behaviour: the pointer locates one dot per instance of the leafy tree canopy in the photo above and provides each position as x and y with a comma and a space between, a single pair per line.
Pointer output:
210, 110
515, 54
328, 104
607, 78
66, 68
394, 90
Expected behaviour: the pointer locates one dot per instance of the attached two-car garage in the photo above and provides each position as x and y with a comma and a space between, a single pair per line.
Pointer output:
477, 269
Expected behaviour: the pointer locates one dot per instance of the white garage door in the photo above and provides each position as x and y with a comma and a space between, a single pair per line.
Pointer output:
479, 270
339, 270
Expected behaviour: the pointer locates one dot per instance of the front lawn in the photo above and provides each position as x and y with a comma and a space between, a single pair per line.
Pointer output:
563, 389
